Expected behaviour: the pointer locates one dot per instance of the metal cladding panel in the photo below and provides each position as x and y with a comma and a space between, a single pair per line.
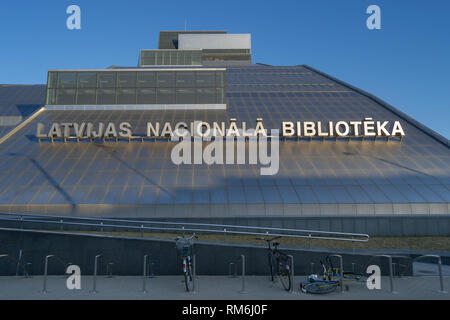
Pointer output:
315, 175
214, 41
17, 102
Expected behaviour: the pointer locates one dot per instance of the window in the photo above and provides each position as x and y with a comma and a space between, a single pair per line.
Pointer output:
136, 87
67, 80
86, 96
107, 79
146, 79
106, 96
87, 79
166, 79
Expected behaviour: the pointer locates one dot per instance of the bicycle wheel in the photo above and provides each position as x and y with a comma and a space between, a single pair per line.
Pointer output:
320, 287
188, 278
350, 276
284, 273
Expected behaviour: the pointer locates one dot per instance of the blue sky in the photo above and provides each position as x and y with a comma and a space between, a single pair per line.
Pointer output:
406, 63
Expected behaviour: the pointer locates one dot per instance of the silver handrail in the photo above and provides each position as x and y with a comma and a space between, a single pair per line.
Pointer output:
441, 280
192, 227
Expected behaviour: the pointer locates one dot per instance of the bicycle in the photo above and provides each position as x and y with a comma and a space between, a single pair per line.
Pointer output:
278, 263
184, 248
330, 279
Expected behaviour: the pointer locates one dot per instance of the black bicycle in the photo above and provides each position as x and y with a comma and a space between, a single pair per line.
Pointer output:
184, 247
279, 264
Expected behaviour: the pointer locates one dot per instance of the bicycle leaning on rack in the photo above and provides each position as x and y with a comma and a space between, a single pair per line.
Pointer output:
279, 264
185, 249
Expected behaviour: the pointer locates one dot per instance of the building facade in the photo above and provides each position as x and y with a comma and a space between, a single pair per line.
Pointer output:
101, 143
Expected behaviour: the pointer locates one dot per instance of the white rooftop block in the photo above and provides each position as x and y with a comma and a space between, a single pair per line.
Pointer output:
214, 41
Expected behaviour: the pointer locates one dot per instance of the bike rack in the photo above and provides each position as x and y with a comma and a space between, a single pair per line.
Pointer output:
441, 280
194, 275
232, 265
243, 275
44, 287
109, 269
341, 271
94, 281
291, 257
144, 275
391, 281
312, 267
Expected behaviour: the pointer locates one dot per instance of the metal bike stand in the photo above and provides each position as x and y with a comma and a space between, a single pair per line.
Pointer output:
292, 274
441, 280
44, 288
144, 275
151, 271
341, 271
94, 283
109, 269
391, 281
243, 275
231, 266
27, 270
194, 275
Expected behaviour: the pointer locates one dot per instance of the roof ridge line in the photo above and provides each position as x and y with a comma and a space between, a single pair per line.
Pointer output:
433, 134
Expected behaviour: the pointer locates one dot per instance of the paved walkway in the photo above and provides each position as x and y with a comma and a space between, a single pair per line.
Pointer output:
210, 288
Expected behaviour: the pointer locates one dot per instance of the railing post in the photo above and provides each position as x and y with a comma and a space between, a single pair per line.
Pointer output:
224, 235
61, 225
309, 241
94, 283
142, 230
292, 273
144, 276
44, 288
101, 228
243, 275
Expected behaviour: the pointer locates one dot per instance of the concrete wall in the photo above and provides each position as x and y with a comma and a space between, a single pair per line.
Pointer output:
127, 255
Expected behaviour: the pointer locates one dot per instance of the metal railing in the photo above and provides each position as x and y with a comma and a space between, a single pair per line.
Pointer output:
100, 224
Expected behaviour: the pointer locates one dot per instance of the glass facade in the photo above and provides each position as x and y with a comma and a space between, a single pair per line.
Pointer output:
170, 58
226, 55
136, 87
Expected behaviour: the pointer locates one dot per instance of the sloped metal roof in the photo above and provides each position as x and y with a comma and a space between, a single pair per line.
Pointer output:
315, 178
